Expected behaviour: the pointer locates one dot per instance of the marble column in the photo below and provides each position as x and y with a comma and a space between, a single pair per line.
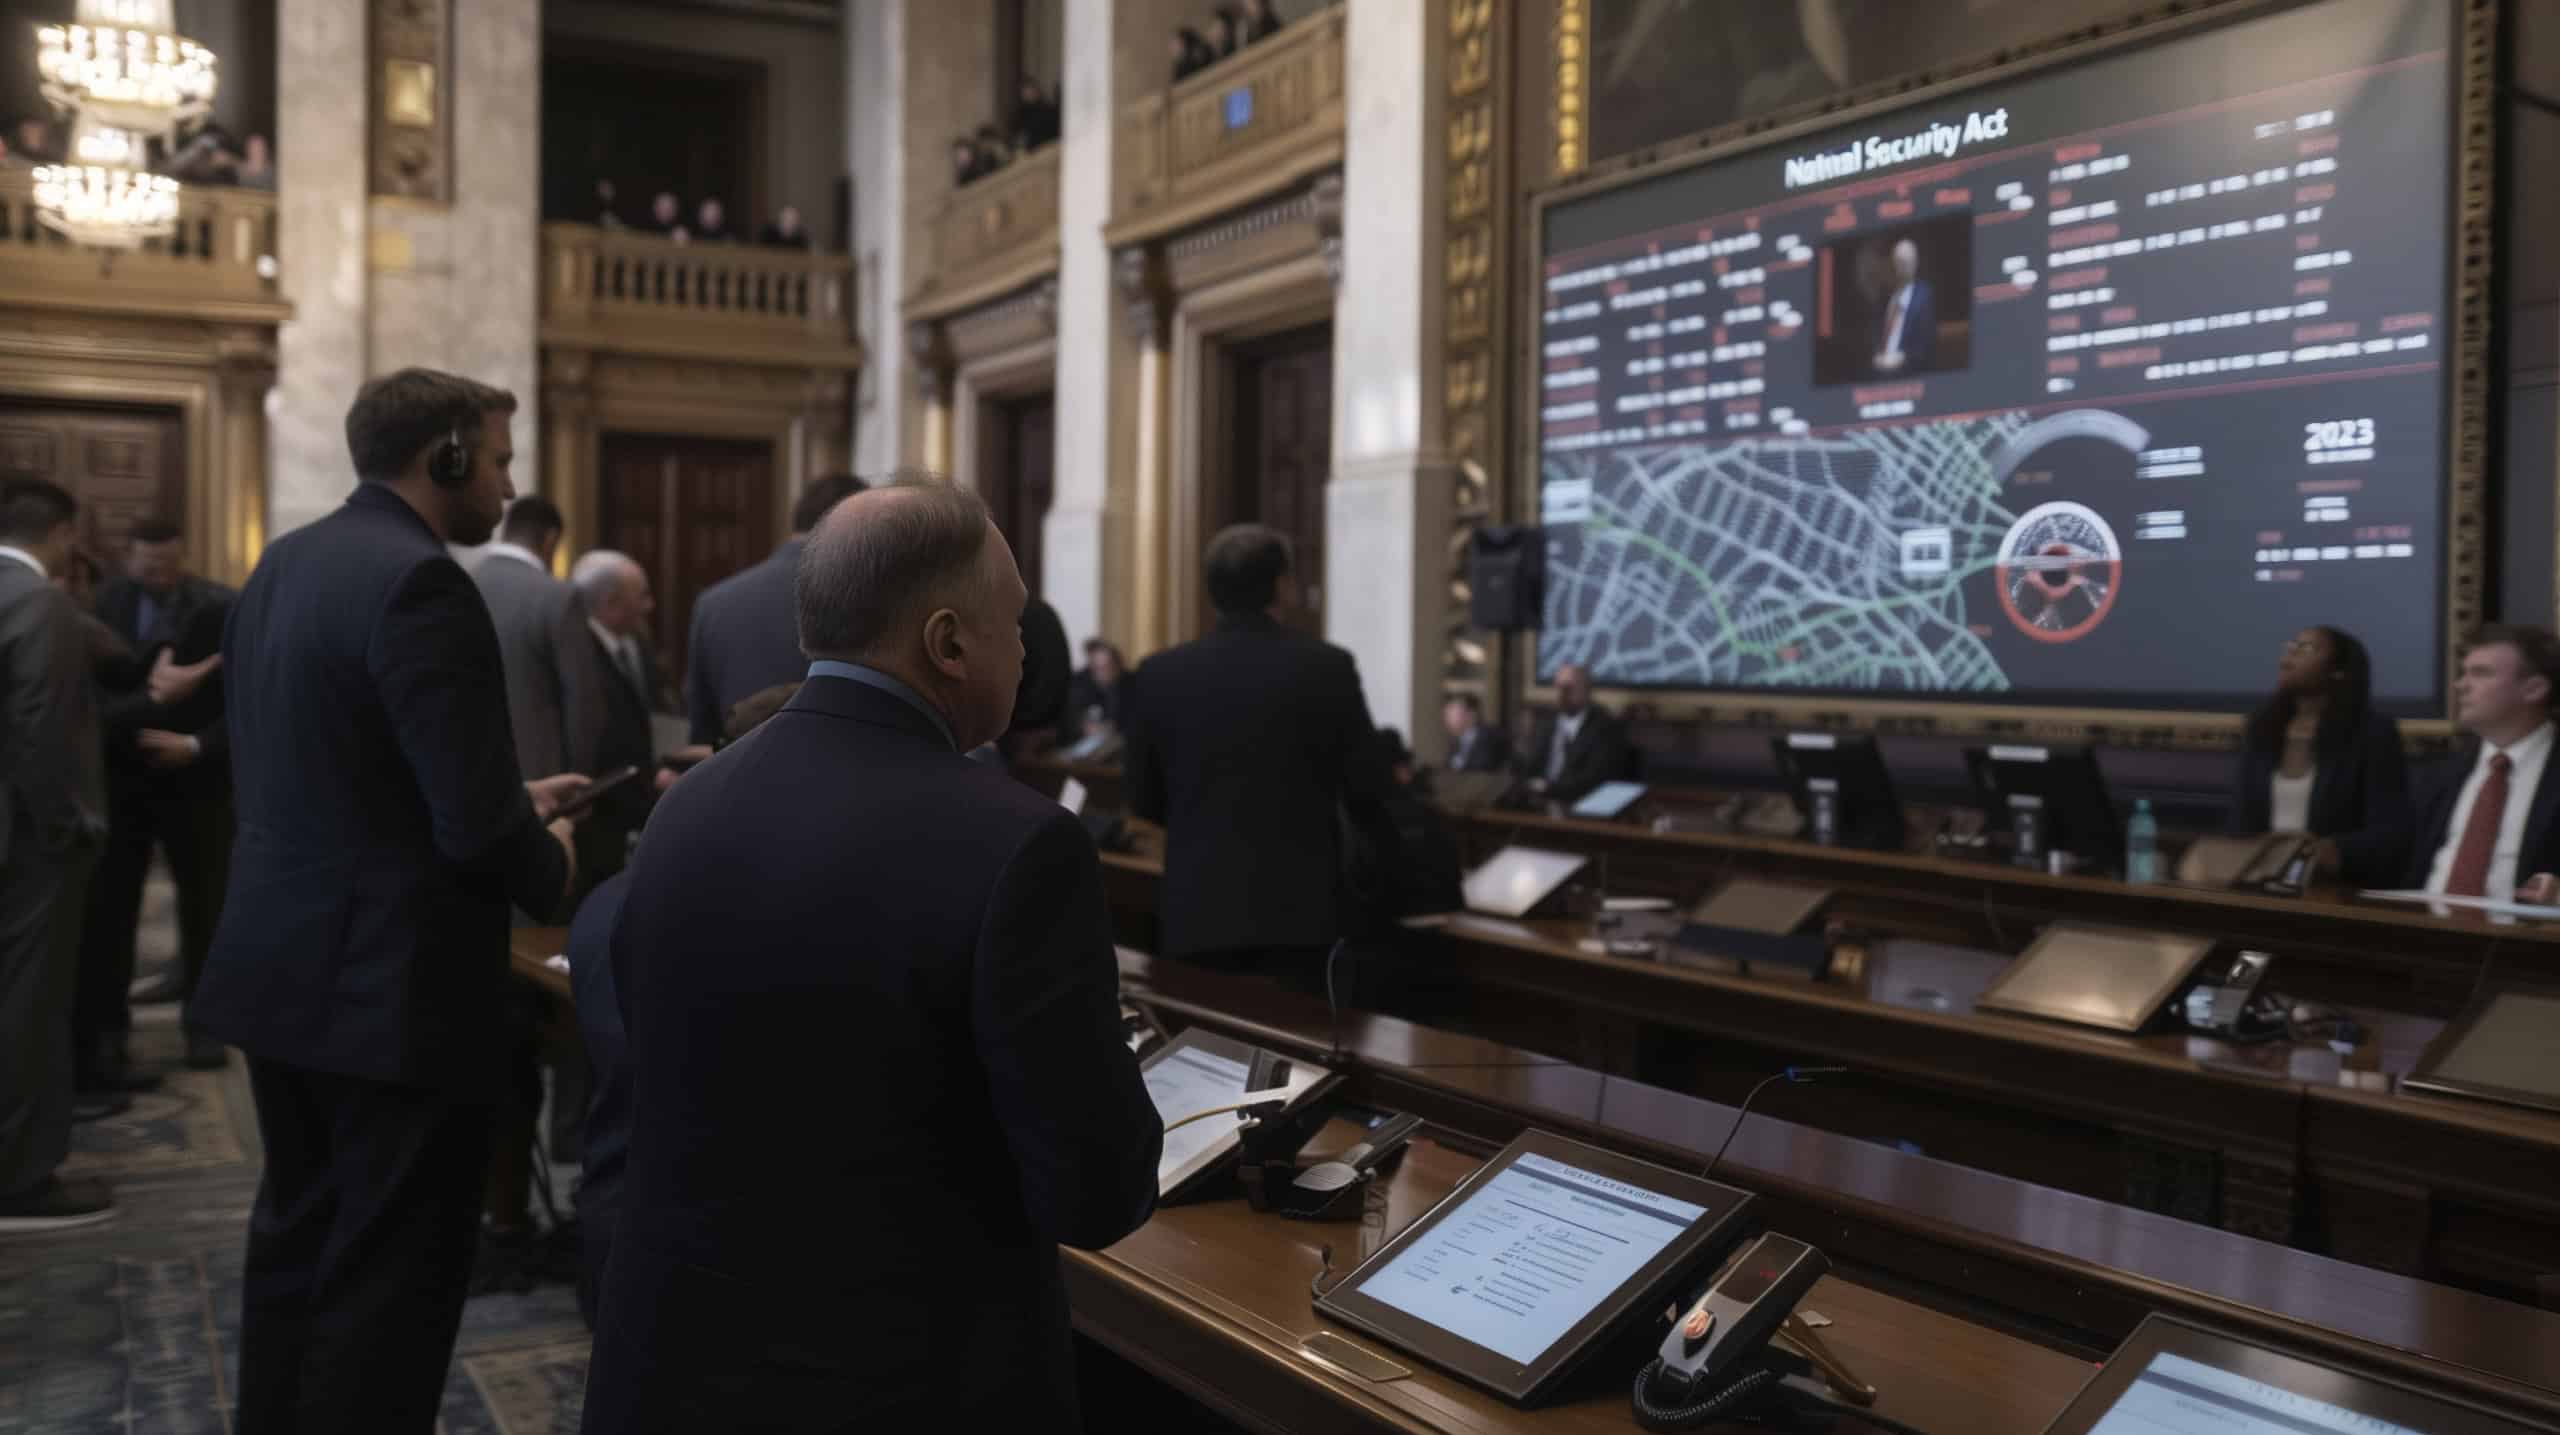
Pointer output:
246, 376
378, 284
1082, 531
875, 38
1388, 504
320, 219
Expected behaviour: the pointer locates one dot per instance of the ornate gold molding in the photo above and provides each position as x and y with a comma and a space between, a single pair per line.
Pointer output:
991, 237
410, 84
1571, 52
1476, 204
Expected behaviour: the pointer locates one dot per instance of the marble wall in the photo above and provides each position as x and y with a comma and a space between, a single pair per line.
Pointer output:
875, 37
321, 223
1074, 564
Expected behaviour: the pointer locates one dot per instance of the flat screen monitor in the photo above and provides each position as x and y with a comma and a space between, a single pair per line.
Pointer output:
2053, 797
2172, 1378
1548, 1251
2007, 392
1844, 776
2501, 1048
1198, 1071
1516, 879
2114, 978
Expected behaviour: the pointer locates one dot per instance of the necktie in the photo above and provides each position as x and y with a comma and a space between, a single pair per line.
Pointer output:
1893, 323
631, 668
2470, 875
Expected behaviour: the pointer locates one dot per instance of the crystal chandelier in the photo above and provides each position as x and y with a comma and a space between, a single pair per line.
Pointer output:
125, 76
123, 64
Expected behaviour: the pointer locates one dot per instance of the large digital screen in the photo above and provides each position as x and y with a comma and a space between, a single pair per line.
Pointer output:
2090, 387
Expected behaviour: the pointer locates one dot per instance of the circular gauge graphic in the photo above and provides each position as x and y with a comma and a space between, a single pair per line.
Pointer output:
2058, 569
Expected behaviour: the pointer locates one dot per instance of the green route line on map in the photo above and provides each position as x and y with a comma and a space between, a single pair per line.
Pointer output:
1724, 618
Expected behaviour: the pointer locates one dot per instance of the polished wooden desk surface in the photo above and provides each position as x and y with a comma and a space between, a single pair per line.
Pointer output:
2074, 1262
529, 950
1243, 1278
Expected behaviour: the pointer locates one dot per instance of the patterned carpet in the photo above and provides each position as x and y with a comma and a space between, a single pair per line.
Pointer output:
134, 1326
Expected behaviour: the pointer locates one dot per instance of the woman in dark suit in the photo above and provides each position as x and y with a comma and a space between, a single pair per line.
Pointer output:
2317, 759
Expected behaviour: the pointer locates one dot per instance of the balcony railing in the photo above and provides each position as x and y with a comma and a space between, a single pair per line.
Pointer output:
220, 264
639, 293
1253, 124
992, 236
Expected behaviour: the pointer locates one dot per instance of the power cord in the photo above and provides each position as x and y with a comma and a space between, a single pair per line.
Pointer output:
1796, 1074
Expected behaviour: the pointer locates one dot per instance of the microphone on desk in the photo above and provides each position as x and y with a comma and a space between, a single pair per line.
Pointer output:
1796, 1074
1333, 1006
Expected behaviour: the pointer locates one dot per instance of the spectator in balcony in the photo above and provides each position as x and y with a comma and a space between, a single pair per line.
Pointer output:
666, 217
1035, 117
711, 222
35, 142
1226, 30
256, 167
964, 160
993, 153
607, 216
206, 158
1190, 53
785, 231
1261, 22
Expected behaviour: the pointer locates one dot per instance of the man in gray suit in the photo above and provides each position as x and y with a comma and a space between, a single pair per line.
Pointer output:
53, 820
552, 699
746, 627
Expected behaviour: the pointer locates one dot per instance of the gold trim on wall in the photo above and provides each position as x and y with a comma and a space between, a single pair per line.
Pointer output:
1477, 204
1570, 52
2472, 255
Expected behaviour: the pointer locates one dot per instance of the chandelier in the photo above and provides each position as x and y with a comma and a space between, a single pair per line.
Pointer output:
125, 77
122, 64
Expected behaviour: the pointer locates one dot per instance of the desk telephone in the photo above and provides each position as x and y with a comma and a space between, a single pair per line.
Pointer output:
1721, 1358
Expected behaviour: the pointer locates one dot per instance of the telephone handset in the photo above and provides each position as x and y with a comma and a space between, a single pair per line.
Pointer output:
1330, 1190
1716, 1362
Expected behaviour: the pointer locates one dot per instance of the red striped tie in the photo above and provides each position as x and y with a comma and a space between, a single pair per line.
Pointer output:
2470, 876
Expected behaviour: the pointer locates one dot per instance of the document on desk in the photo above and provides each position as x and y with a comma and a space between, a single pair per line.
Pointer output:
1529, 1254
2178, 1396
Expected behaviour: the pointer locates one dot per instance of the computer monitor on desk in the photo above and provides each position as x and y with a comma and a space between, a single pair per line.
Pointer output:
1842, 788
2050, 799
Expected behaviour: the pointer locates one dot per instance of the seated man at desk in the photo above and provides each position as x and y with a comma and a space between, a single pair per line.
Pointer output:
2317, 759
2492, 827
1474, 744
1578, 746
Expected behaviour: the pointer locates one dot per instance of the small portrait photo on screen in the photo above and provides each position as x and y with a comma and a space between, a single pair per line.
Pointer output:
1894, 303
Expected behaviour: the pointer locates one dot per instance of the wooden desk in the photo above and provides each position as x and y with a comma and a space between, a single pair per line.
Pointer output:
2292, 1143
1976, 1253
529, 951
1213, 1298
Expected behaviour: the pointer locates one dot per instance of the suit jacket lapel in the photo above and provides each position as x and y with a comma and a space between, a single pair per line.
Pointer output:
2531, 858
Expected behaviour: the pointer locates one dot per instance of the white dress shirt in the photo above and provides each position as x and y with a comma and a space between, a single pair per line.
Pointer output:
2289, 802
1899, 306
1568, 727
520, 553
21, 555
626, 655
2523, 777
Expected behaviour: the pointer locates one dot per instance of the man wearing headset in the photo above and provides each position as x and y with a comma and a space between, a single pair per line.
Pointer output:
384, 830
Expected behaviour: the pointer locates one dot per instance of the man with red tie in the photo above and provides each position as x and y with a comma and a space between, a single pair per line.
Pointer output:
2496, 832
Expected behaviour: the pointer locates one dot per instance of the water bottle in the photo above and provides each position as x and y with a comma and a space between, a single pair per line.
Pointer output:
2142, 845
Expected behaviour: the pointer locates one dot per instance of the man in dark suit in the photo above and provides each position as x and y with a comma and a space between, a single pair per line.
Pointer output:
53, 819
168, 786
2491, 827
1251, 746
553, 701
1093, 694
613, 592
385, 831
844, 880
1578, 746
743, 639
1908, 337
1474, 744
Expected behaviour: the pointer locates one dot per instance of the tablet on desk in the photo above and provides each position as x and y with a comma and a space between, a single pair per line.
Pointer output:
1548, 1252
1516, 879
2499, 1049
1199, 1071
2171, 1378
1607, 801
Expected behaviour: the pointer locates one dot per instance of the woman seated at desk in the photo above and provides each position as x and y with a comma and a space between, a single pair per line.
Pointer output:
2317, 759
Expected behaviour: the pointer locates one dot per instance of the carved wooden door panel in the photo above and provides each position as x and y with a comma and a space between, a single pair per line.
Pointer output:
123, 465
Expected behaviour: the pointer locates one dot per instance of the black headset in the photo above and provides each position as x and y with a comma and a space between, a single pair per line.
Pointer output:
450, 463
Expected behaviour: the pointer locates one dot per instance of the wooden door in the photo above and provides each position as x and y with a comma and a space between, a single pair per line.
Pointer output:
123, 465
692, 511
1016, 474
1284, 449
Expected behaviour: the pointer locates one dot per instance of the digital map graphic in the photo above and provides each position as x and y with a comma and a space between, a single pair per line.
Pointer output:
1826, 562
